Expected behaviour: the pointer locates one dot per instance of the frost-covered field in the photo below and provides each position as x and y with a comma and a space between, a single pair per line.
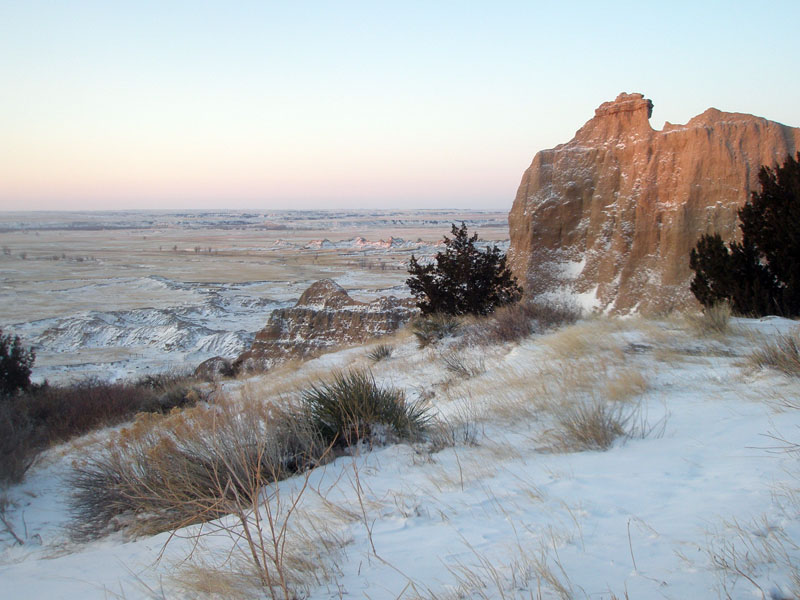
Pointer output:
699, 498
122, 294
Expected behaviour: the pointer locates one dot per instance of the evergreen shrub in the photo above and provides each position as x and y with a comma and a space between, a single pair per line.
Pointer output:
761, 274
463, 279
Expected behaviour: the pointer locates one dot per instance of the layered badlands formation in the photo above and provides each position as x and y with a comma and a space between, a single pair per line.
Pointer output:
324, 317
613, 213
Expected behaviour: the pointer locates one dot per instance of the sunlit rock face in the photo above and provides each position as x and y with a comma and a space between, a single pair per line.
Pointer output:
613, 214
325, 317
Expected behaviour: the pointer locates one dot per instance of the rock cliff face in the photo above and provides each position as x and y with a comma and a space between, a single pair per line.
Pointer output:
612, 214
324, 317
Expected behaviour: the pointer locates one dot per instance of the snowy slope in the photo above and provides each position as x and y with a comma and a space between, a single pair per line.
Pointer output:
207, 320
698, 502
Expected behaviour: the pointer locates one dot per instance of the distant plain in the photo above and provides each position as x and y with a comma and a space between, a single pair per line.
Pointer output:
113, 294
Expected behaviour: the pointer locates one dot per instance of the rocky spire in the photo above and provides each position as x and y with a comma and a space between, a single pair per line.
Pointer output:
628, 114
613, 213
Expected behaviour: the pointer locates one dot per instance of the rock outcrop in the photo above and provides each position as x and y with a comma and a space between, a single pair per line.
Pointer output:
612, 214
214, 368
324, 317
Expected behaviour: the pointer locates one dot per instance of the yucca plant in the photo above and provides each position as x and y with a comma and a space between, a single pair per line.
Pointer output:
380, 352
350, 406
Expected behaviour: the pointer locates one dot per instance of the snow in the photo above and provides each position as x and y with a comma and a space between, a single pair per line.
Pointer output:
209, 319
652, 517
572, 269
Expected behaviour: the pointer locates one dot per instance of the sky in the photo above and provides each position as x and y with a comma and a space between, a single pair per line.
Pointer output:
305, 105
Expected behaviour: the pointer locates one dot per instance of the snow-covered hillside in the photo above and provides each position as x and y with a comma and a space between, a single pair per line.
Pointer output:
206, 320
698, 499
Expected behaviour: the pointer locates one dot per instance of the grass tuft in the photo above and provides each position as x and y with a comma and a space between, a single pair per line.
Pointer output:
714, 320
783, 355
462, 366
380, 352
590, 425
169, 471
352, 407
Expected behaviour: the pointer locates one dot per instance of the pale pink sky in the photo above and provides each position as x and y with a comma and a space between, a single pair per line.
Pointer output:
350, 104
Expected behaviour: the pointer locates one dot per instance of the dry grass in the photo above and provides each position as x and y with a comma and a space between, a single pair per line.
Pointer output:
739, 552
592, 425
279, 546
624, 384
517, 321
284, 381
526, 392
462, 365
713, 320
783, 354
166, 472
470, 470
669, 355
528, 573
578, 389
591, 336
461, 428
507, 395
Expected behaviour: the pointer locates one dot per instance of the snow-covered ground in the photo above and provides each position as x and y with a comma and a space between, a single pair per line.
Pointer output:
699, 500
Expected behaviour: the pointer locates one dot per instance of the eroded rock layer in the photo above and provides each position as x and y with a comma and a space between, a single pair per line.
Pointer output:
613, 213
324, 317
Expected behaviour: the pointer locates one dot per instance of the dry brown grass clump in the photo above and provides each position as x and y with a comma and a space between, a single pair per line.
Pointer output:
517, 321
591, 425
192, 466
783, 355
166, 472
461, 365
589, 338
624, 384
714, 320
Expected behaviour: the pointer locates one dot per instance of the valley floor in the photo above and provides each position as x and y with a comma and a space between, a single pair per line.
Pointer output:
698, 497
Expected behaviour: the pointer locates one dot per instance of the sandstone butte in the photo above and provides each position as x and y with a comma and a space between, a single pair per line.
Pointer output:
325, 317
613, 214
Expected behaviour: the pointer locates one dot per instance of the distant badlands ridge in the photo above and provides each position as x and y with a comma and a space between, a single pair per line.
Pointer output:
613, 213
358, 243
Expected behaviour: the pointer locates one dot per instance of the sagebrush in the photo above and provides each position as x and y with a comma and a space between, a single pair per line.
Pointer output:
517, 321
47, 414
